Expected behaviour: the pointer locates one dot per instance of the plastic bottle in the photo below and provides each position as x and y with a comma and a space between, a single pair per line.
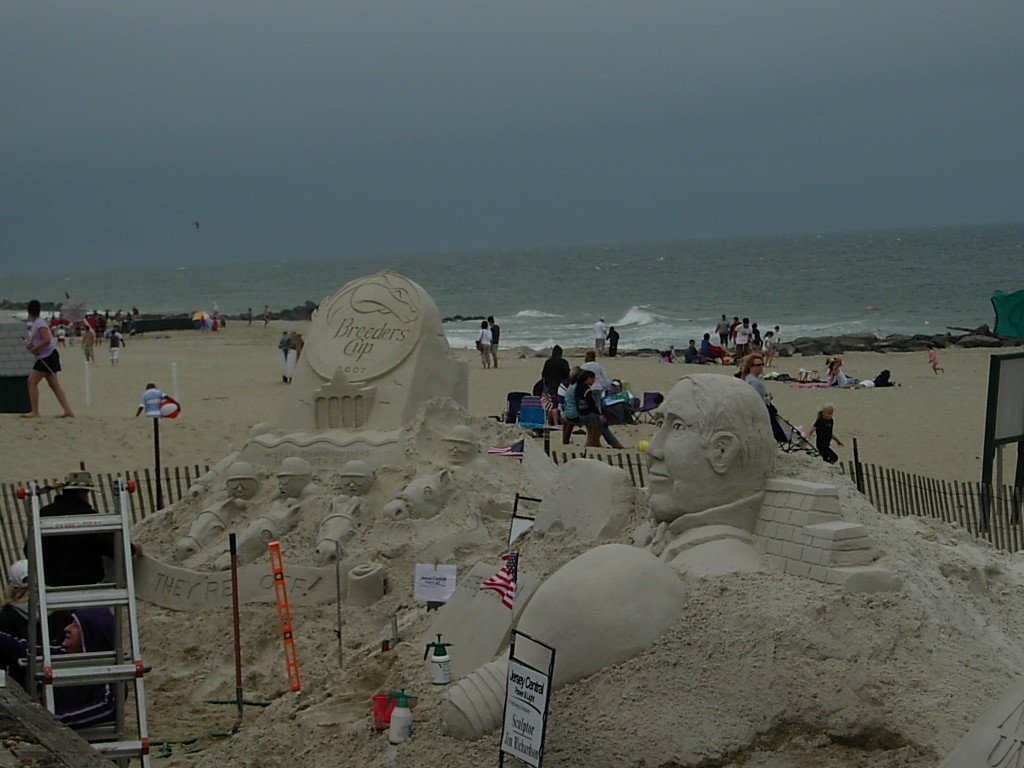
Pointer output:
440, 662
401, 717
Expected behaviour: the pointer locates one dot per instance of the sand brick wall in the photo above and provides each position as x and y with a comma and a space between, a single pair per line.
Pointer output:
801, 532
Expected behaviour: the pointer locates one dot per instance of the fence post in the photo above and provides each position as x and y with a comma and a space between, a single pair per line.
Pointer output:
859, 472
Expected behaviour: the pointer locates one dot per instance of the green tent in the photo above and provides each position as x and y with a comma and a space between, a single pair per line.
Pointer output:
1009, 309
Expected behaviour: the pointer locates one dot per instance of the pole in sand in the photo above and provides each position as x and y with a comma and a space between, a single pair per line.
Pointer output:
156, 463
238, 643
337, 589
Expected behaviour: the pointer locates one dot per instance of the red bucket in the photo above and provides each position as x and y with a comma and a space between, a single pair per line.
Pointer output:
382, 709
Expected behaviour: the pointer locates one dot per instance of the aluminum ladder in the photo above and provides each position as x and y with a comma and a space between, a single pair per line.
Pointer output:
120, 667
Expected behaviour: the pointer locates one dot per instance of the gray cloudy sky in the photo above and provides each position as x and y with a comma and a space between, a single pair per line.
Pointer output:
310, 129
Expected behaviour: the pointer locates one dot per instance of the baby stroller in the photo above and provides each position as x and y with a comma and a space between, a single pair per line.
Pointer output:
797, 439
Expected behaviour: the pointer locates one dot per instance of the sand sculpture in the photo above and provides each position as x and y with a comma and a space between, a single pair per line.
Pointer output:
241, 483
376, 393
709, 463
377, 461
374, 354
344, 515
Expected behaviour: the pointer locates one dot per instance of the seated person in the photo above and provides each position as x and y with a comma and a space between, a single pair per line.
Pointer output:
77, 706
692, 355
618, 404
666, 355
588, 413
710, 351
836, 376
570, 412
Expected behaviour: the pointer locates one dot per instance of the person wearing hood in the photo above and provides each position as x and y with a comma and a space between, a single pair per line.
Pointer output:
555, 371
90, 630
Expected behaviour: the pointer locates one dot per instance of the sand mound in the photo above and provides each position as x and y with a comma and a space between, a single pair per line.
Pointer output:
760, 669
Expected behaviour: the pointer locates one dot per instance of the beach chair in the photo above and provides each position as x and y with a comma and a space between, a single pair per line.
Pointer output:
513, 401
643, 414
534, 417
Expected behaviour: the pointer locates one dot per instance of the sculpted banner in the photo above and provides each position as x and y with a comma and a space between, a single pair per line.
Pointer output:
185, 590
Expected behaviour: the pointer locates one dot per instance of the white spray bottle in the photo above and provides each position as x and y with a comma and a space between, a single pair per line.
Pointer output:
440, 662
401, 717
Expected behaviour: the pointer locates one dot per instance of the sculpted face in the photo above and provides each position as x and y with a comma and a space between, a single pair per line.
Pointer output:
712, 446
241, 487
290, 486
461, 445
293, 476
356, 478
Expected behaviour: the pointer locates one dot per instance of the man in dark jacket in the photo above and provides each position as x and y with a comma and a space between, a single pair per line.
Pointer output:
78, 706
76, 558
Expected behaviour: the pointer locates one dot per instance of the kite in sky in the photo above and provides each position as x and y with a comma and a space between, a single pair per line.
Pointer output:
195, 224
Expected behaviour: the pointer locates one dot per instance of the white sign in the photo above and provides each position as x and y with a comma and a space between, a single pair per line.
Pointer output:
526, 703
434, 583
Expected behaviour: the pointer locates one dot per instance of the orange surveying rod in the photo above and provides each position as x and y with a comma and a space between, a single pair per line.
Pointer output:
284, 615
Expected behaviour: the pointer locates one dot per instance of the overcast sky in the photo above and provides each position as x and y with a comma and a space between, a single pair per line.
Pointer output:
298, 129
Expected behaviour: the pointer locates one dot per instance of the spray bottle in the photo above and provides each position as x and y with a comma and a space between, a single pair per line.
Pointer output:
440, 662
401, 717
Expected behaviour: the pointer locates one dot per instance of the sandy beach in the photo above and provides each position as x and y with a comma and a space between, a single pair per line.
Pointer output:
931, 425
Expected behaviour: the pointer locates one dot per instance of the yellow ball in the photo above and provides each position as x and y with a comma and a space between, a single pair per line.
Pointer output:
642, 446
927, 322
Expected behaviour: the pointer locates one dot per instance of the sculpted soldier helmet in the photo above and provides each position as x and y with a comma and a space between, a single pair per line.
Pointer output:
241, 470
293, 466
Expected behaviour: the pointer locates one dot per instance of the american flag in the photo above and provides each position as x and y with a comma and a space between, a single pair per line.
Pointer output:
504, 581
515, 450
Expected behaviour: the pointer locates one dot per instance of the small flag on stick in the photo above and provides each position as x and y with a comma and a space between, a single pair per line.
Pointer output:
515, 450
504, 581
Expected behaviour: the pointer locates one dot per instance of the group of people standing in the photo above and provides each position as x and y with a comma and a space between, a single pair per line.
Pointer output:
744, 337
487, 342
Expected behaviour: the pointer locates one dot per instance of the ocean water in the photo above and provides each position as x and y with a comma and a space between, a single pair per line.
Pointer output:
654, 294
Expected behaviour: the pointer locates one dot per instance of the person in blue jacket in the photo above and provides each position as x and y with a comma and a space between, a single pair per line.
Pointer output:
89, 631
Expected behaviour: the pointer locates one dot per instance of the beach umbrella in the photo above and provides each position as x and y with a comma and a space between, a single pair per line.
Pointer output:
73, 310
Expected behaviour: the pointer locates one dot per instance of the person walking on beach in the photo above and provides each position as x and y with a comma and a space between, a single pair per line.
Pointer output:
248, 316
483, 344
933, 360
116, 342
286, 344
47, 363
600, 334
266, 315
722, 329
743, 335
89, 343
768, 348
822, 430
495, 335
